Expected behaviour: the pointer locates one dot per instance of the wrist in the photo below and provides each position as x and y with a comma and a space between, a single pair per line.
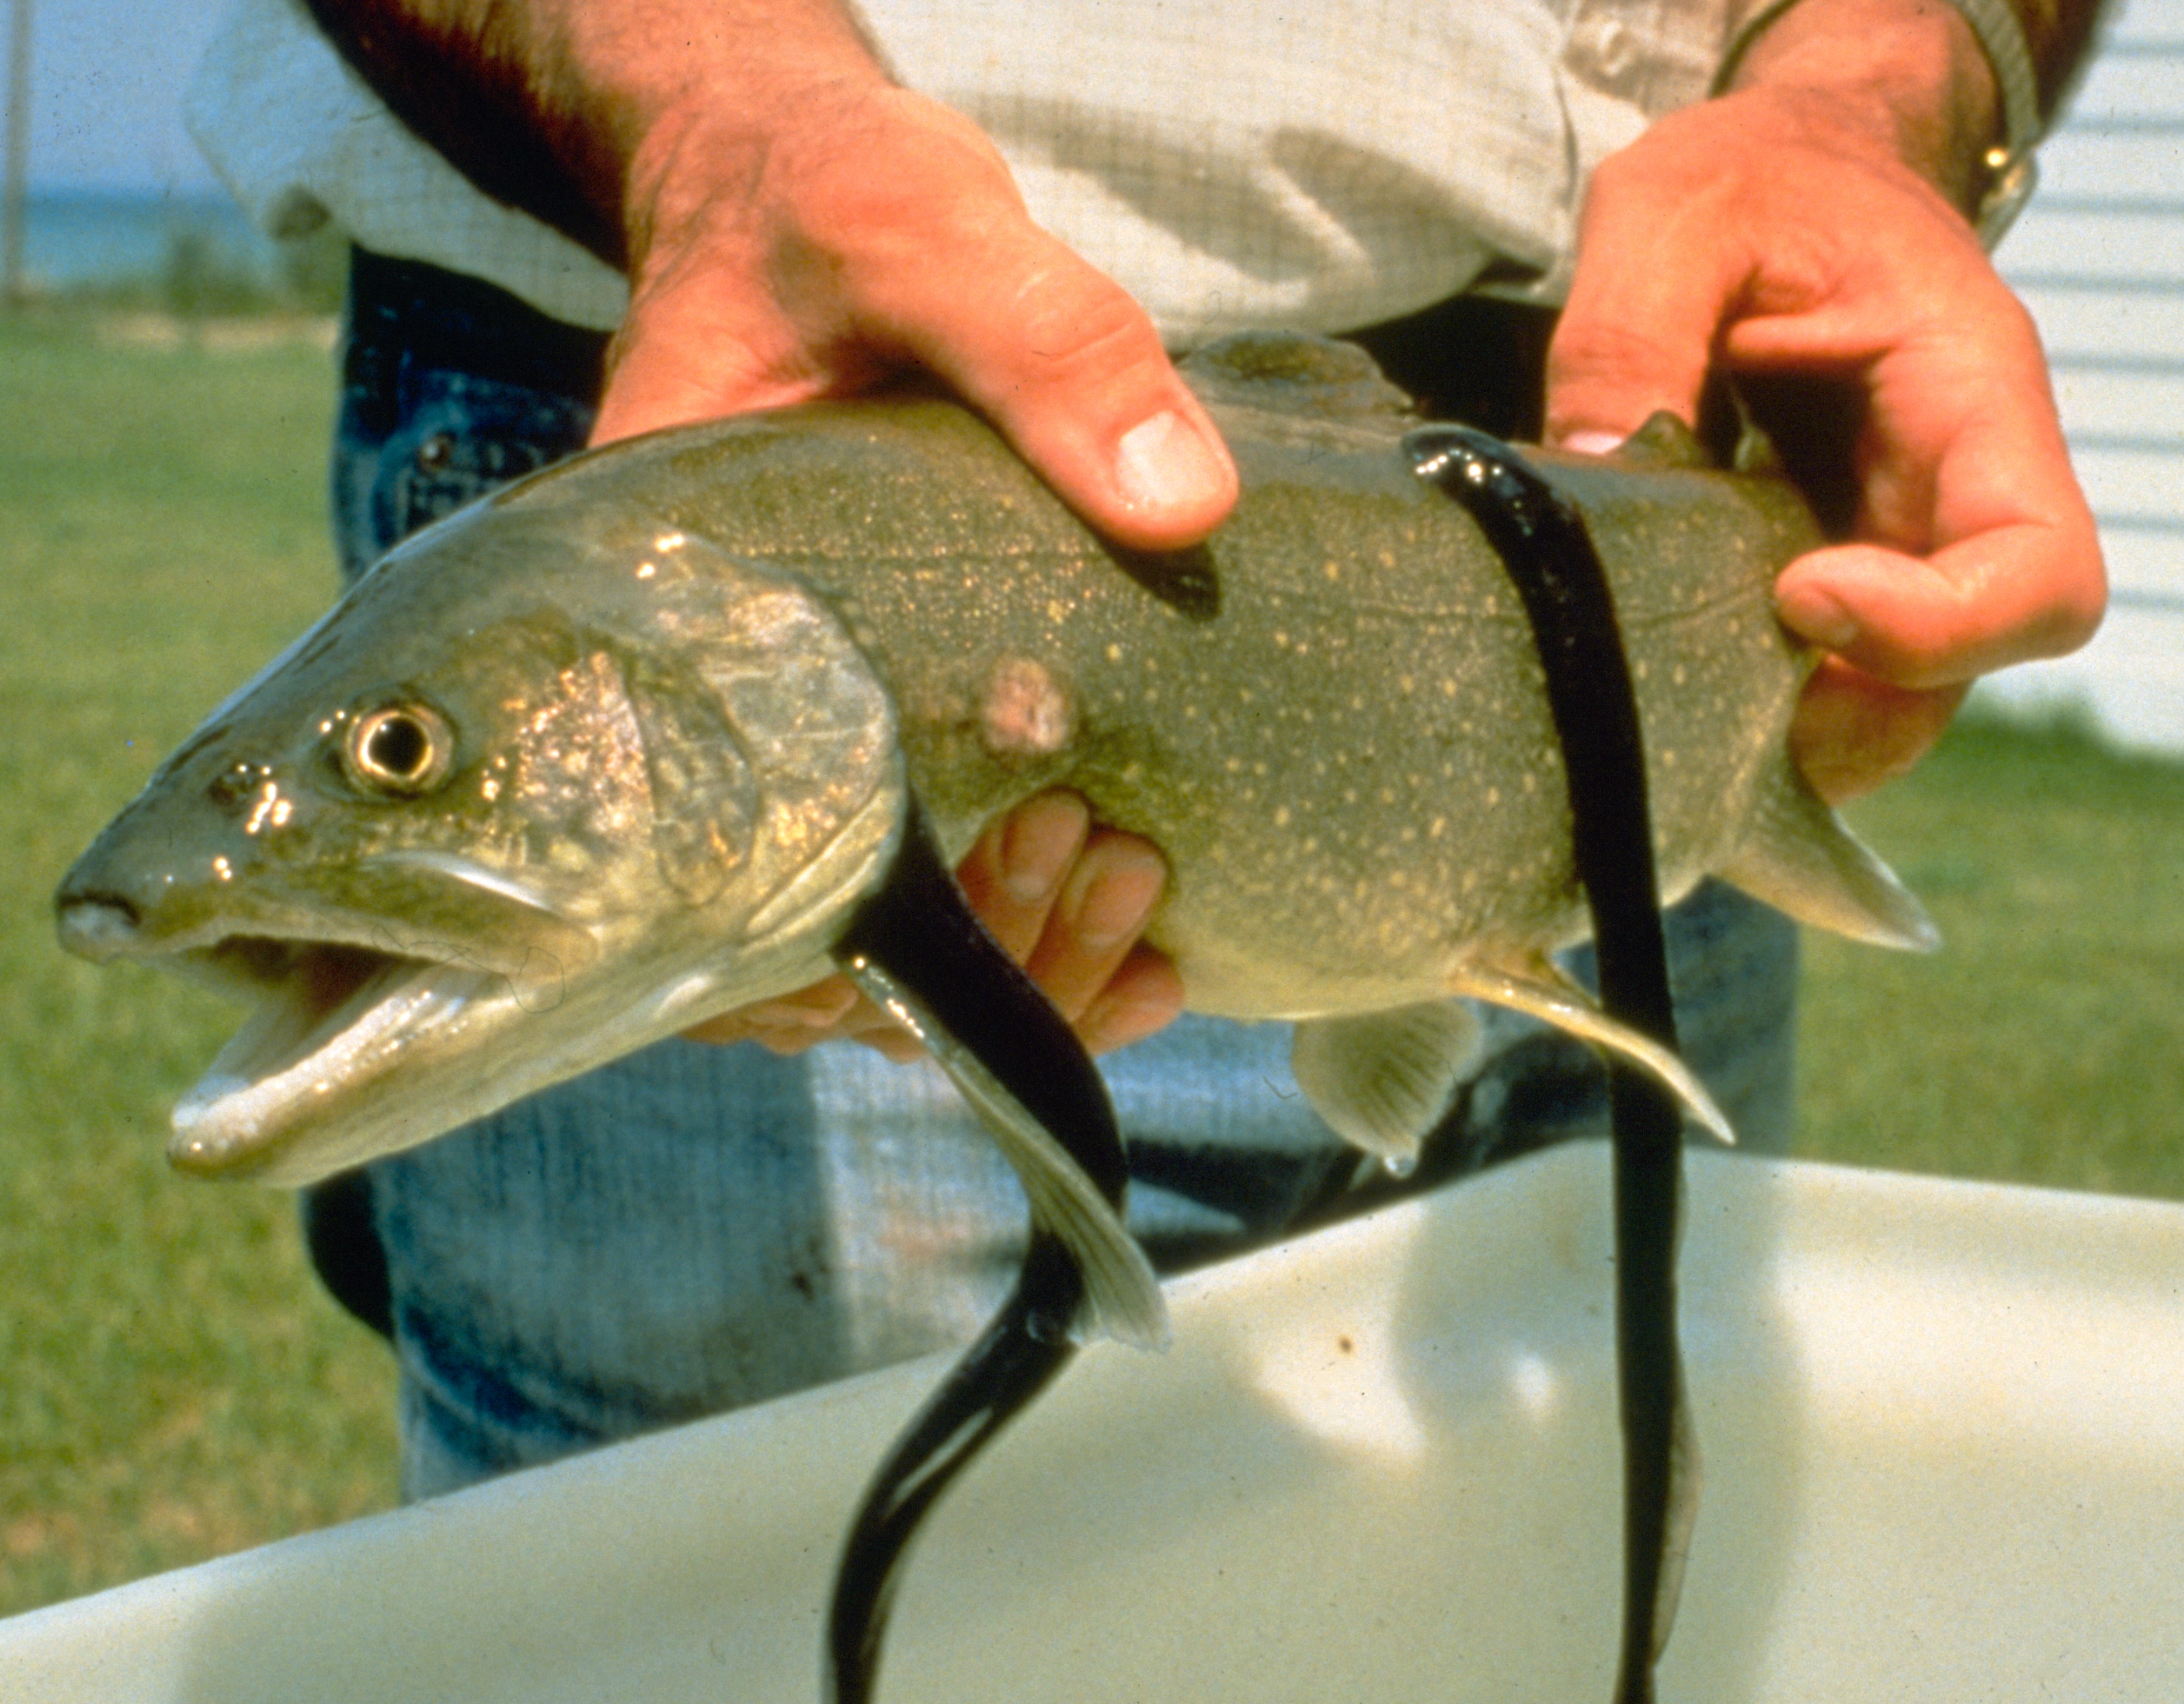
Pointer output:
566, 107
1906, 79
654, 110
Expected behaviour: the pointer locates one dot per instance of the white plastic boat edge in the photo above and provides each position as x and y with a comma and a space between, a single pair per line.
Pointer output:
1943, 1429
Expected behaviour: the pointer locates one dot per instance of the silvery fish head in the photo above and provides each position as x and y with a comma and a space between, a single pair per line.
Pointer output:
544, 786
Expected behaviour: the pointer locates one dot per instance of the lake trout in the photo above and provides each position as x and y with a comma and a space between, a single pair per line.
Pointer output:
626, 744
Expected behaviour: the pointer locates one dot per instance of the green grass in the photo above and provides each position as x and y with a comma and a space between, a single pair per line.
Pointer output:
2044, 1043
175, 1386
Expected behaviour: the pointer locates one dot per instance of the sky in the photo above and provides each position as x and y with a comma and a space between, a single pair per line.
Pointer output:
106, 83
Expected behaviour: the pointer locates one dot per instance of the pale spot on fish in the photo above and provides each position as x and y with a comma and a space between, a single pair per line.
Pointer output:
1025, 708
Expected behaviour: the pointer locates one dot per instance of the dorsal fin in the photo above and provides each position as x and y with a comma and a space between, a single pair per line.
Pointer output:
1664, 441
1291, 373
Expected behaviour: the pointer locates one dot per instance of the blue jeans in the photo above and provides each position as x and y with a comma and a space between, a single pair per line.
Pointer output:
696, 1227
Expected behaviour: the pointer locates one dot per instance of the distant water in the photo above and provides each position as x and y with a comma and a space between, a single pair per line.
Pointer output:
117, 237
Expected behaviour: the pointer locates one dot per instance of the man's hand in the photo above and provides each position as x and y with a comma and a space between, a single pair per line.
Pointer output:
1066, 899
794, 225
1799, 224
810, 273
879, 233
875, 232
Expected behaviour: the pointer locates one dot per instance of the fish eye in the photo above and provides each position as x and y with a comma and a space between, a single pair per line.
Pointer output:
403, 750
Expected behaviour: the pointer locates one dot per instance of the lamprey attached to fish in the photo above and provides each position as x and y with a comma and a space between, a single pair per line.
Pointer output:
633, 742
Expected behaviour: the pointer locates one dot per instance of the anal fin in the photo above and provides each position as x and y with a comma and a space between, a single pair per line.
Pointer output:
1383, 1081
1538, 989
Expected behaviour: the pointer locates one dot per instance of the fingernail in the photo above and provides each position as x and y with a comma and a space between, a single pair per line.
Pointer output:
1040, 839
1815, 617
1592, 443
1118, 902
1165, 462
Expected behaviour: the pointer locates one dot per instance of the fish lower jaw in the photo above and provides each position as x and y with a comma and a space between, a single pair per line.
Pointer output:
329, 1019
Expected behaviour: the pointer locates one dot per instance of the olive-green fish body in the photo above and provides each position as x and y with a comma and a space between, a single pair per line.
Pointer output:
624, 745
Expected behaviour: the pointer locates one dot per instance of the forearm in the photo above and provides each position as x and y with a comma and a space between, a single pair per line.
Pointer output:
1911, 76
568, 109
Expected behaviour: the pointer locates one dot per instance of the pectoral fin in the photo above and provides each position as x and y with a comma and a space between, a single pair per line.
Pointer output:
1539, 989
1122, 1297
1803, 861
1383, 1081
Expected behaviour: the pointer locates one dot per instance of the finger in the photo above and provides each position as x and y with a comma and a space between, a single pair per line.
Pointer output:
1852, 733
2004, 597
1658, 271
1105, 903
815, 1010
943, 262
1072, 373
1145, 995
1014, 873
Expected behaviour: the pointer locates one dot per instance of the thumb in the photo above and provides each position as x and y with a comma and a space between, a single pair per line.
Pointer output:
1072, 373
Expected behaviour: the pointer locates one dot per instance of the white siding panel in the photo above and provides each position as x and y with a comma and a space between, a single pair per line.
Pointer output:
2134, 78
2126, 242
2111, 324
2116, 400
2129, 676
2146, 567
2106, 161
2099, 259
2132, 484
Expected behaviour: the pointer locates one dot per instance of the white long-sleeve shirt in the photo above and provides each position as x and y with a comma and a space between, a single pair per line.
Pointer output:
1320, 164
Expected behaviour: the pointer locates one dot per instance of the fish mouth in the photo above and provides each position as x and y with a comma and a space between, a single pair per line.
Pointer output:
330, 1016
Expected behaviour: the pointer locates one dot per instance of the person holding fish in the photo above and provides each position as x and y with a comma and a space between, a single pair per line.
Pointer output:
580, 221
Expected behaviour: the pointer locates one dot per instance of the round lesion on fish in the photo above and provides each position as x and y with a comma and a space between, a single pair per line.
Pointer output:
1026, 710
